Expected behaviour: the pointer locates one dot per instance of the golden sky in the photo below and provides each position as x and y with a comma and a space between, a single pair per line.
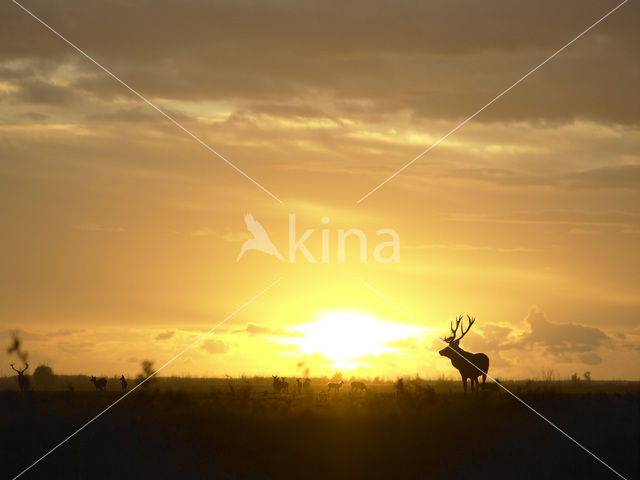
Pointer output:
120, 232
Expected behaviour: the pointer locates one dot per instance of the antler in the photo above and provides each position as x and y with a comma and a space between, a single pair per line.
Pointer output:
454, 330
20, 371
471, 322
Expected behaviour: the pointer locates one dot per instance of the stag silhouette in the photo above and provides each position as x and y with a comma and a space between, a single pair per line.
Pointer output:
23, 380
334, 386
358, 386
99, 383
470, 365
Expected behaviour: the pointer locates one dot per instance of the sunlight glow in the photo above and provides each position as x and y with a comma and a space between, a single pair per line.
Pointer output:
348, 336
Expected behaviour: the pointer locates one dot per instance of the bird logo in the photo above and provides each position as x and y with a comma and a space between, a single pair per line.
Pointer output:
260, 240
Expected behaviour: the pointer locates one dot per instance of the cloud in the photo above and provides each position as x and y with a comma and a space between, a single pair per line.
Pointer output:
215, 346
560, 339
261, 330
432, 60
609, 177
590, 358
165, 335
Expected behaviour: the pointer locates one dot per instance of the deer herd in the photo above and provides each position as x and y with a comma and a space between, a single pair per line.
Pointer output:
470, 365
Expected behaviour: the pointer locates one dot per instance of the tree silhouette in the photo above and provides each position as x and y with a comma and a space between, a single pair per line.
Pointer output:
147, 371
43, 377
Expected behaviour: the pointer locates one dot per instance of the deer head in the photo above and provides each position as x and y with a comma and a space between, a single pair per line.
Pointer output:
20, 372
92, 379
453, 340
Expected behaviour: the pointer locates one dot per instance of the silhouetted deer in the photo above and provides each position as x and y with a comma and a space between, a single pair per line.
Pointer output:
99, 383
23, 381
299, 384
306, 386
123, 382
284, 386
279, 384
470, 365
334, 386
358, 386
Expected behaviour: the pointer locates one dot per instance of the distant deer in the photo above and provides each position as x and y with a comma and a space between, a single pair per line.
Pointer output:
306, 386
470, 365
358, 386
334, 386
123, 382
23, 381
299, 384
284, 386
99, 383
279, 384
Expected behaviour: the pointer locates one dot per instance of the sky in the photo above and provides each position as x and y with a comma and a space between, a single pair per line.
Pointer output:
120, 231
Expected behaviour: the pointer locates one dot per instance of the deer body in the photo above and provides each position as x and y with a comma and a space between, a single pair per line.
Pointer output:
99, 383
279, 384
470, 365
284, 386
358, 386
23, 380
335, 386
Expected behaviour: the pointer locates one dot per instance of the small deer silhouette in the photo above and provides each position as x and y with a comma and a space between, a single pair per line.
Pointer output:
123, 382
276, 384
358, 386
99, 383
23, 380
470, 365
306, 386
335, 386
284, 386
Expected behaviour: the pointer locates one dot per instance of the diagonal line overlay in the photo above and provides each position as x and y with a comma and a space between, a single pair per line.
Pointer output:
504, 92
152, 105
175, 357
497, 383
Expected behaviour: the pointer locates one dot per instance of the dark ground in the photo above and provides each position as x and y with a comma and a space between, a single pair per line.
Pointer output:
252, 433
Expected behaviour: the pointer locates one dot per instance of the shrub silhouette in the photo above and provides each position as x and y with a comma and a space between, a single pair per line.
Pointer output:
147, 371
44, 378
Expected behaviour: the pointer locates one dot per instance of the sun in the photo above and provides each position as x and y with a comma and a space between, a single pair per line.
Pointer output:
344, 337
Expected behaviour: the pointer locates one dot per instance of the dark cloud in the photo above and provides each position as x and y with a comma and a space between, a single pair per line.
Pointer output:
37, 117
437, 60
255, 329
590, 358
560, 339
618, 176
215, 346
609, 177
165, 335
38, 92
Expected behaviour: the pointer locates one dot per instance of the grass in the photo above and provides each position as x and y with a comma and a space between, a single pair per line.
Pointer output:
216, 428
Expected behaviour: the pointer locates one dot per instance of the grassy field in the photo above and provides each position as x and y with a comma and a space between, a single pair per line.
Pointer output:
233, 429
